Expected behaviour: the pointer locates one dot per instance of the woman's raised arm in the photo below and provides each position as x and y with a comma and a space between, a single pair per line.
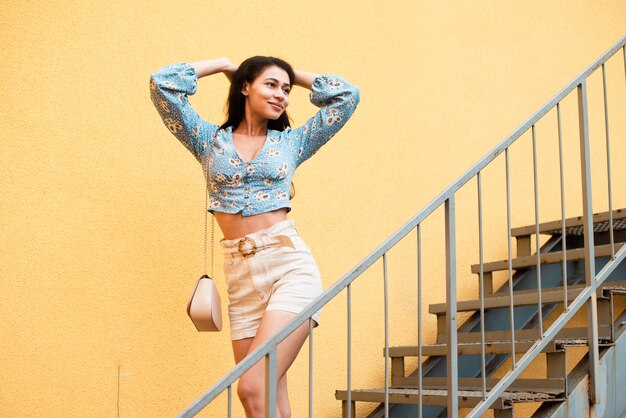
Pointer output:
214, 66
170, 87
337, 100
304, 79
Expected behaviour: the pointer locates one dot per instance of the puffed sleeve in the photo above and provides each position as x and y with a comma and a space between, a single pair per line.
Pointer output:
170, 87
337, 100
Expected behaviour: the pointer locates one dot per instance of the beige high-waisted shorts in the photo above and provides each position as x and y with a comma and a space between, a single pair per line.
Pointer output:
275, 278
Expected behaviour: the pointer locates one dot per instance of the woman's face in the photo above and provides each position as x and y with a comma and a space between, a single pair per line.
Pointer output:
268, 95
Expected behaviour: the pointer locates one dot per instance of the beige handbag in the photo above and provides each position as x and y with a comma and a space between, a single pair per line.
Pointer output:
205, 307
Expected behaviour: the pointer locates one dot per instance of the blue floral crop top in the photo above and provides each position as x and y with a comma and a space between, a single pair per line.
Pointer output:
262, 184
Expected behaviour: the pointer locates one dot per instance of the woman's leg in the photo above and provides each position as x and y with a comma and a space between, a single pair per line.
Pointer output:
251, 388
241, 348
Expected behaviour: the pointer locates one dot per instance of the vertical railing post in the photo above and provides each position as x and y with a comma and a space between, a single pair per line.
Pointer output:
451, 331
386, 297
608, 161
563, 231
310, 367
624, 56
419, 318
270, 384
510, 256
481, 284
349, 350
230, 401
590, 270
537, 236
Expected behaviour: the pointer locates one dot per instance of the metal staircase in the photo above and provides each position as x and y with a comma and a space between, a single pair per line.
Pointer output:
550, 388
575, 268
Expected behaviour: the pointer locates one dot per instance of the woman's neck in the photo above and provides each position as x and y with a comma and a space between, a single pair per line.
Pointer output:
251, 126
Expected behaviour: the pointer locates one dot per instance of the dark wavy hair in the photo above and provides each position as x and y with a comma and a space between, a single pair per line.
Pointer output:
248, 71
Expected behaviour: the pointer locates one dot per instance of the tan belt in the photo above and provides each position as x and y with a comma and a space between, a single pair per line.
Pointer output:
248, 246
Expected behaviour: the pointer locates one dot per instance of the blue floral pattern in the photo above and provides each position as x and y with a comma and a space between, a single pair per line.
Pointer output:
262, 184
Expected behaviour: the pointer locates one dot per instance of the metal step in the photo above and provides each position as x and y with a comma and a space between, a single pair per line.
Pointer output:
439, 397
573, 225
613, 288
521, 298
553, 386
604, 333
494, 347
545, 258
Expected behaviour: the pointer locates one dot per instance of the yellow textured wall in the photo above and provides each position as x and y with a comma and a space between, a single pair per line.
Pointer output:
102, 209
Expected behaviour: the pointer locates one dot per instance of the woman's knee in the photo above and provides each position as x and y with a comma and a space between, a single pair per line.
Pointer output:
251, 389
251, 392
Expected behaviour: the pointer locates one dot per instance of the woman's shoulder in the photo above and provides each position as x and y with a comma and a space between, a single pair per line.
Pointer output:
224, 131
284, 134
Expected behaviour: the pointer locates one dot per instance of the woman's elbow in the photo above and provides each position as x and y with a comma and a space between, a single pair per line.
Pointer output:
357, 95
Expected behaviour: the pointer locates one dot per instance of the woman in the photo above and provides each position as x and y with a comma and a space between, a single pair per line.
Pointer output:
251, 159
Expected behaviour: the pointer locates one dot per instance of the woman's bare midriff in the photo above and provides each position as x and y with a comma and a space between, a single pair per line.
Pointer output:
235, 225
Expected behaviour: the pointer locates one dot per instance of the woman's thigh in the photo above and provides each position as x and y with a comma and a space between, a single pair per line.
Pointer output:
241, 348
288, 349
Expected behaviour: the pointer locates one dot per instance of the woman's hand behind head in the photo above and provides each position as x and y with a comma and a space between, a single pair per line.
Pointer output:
229, 71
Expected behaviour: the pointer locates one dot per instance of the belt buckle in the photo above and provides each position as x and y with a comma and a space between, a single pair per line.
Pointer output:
247, 250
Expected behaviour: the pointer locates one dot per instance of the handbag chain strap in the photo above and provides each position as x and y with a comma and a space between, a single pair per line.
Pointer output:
206, 214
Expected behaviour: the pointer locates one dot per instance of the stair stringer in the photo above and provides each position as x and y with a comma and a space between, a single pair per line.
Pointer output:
612, 374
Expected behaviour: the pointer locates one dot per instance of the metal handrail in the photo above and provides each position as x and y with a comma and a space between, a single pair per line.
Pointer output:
447, 197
